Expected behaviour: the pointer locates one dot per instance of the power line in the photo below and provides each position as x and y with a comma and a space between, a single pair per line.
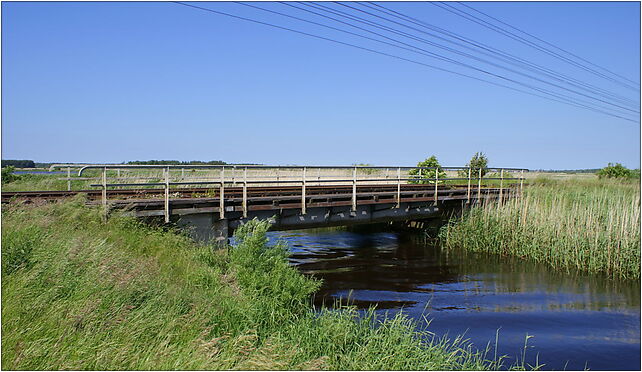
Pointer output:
547, 43
564, 99
397, 57
498, 54
513, 36
441, 57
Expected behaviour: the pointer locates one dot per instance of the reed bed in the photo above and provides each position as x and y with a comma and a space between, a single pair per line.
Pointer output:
586, 225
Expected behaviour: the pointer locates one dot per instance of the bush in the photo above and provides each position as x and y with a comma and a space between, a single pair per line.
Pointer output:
8, 175
616, 170
477, 162
427, 175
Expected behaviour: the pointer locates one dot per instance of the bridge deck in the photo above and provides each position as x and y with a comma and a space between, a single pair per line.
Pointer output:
150, 202
290, 199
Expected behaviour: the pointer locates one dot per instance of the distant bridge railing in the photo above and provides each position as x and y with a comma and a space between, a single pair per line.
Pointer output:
246, 176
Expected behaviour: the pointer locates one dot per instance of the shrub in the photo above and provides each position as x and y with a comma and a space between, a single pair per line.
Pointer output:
427, 175
616, 170
477, 162
8, 175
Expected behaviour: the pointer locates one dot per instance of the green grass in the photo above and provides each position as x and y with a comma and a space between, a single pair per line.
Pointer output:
586, 225
81, 294
38, 182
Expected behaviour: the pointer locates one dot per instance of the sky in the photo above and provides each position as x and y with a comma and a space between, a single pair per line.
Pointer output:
108, 82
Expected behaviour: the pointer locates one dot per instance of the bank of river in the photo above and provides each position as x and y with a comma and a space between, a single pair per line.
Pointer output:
577, 321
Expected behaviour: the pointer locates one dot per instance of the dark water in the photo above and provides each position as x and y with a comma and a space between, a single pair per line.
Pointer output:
577, 321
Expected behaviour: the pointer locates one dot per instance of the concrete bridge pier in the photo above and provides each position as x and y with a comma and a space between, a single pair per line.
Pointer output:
205, 227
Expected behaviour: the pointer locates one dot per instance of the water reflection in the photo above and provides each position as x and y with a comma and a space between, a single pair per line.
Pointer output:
576, 319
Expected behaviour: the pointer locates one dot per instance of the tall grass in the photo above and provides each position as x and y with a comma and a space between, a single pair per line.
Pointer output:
38, 182
80, 294
586, 225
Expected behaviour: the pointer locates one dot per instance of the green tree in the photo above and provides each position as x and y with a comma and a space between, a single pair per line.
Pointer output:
427, 175
477, 162
616, 170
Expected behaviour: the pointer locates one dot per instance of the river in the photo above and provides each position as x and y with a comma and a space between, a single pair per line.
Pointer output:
577, 321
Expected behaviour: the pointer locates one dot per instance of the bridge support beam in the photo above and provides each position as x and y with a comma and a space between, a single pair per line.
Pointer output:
340, 216
208, 227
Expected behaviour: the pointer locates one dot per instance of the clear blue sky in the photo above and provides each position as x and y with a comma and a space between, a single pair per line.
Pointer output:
111, 82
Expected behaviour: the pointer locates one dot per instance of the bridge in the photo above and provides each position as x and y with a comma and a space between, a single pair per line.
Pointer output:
211, 201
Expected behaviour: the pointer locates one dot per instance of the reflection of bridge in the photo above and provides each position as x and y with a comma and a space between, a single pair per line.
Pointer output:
292, 197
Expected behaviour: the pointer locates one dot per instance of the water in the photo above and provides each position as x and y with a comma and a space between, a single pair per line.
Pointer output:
578, 321
39, 172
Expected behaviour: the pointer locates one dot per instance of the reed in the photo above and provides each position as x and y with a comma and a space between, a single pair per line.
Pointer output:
586, 225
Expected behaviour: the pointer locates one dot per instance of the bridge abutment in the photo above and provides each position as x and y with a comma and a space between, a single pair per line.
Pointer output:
205, 227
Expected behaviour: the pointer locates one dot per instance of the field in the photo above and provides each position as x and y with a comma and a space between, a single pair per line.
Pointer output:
581, 223
81, 294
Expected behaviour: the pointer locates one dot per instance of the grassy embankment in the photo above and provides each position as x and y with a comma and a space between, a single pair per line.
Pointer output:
587, 225
80, 294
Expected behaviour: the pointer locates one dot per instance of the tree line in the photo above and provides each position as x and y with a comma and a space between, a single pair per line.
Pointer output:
175, 162
18, 163
33, 164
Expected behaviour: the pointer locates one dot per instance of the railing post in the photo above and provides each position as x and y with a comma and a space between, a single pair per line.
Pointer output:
303, 207
182, 173
221, 194
245, 193
479, 185
105, 194
68, 178
166, 171
354, 189
501, 185
521, 183
234, 175
318, 176
468, 193
420, 178
398, 187
436, 183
